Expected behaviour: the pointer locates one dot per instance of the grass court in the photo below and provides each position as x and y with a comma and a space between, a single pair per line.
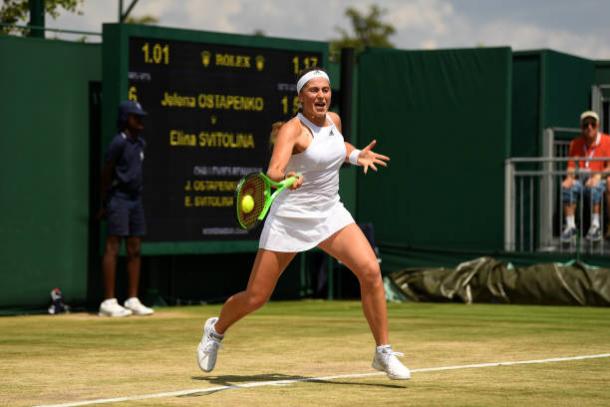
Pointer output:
80, 357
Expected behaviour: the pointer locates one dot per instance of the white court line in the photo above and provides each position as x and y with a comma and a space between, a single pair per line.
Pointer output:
313, 379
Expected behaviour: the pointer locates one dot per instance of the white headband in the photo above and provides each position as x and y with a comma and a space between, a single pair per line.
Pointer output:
309, 76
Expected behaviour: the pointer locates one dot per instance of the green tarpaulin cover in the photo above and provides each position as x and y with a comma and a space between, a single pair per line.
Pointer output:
487, 280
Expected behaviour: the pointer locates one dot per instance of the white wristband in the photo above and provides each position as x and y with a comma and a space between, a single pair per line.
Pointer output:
353, 156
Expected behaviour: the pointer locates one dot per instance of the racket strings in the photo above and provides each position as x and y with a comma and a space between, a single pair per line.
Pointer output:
255, 187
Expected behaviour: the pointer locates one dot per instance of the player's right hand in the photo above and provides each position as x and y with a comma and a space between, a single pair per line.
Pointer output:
297, 184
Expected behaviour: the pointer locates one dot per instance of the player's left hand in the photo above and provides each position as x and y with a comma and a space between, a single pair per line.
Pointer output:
368, 158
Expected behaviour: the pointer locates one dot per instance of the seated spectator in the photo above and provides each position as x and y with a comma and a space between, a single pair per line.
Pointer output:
586, 175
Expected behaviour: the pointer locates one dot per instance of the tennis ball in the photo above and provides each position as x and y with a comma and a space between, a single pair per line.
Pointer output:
247, 203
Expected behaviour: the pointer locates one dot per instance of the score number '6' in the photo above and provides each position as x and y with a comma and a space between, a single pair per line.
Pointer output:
133, 94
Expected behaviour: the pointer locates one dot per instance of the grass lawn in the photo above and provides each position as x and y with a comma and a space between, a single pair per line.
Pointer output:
78, 357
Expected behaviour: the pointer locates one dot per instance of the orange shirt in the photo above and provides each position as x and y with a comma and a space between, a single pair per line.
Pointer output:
601, 148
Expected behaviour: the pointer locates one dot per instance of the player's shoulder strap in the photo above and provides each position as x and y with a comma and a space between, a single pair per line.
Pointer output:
334, 119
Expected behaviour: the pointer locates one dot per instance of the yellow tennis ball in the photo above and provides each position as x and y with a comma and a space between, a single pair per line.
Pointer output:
247, 203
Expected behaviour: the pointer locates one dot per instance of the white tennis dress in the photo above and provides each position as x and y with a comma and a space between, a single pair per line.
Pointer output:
303, 218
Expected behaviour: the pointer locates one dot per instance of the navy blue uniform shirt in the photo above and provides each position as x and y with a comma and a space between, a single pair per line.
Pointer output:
128, 155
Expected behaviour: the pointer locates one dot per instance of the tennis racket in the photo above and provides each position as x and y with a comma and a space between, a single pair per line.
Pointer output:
253, 197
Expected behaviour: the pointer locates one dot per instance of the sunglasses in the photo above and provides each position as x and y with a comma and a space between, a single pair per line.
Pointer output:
591, 122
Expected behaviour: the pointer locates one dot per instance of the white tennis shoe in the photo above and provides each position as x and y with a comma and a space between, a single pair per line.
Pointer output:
386, 360
137, 308
207, 351
111, 308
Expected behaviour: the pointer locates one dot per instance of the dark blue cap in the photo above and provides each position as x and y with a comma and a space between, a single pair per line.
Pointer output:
130, 107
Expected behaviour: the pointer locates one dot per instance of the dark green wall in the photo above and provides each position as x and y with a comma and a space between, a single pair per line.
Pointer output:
602, 72
44, 209
444, 119
347, 174
526, 99
567, 88
550, 89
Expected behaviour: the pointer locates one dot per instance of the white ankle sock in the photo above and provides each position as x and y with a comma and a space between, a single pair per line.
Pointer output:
571, 221
216, 334
595, 220
380, 348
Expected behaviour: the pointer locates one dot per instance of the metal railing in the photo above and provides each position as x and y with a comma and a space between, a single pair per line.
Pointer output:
534, 211
555, 144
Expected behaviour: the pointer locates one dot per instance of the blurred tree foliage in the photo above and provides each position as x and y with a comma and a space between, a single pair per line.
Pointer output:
146, 20
18, 12
366, 31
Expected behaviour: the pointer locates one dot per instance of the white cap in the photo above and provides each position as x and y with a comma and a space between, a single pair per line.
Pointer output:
589, 113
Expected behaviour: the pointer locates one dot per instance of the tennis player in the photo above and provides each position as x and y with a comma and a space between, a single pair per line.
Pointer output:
310, 215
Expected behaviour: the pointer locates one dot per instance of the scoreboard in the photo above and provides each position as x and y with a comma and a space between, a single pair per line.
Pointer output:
210, 108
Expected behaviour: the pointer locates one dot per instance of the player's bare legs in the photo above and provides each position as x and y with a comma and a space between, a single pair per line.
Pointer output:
268, 266
351, 247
